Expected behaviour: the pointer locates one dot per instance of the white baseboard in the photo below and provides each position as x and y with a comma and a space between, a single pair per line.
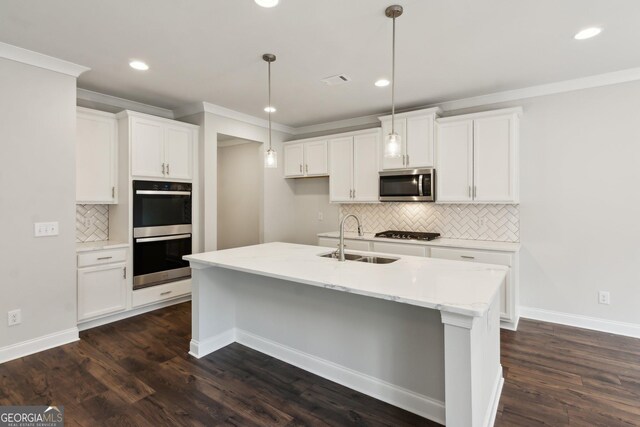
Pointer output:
200, 349
579, 321
397, 396
130, 313
36, 345
495, 399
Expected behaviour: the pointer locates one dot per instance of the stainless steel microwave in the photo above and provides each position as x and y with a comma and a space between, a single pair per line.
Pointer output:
413, 185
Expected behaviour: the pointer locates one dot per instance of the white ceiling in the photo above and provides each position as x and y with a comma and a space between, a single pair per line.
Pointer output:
210, 50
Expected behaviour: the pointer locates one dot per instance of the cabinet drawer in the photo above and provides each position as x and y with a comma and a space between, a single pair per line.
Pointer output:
399, 249
473, 256
349, 244
102, 257
161, 292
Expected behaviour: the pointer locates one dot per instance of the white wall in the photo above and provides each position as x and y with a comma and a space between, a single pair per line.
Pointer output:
37, 134
311, 198
239, 194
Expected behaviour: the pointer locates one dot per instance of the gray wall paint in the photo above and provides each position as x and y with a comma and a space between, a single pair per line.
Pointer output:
239, 195
37, 133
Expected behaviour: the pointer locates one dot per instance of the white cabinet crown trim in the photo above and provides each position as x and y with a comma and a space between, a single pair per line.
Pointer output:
482, 114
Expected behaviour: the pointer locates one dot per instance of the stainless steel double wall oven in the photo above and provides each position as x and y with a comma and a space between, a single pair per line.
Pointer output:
161, 232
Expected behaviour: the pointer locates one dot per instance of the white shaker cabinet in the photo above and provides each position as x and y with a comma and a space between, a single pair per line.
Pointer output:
306, 159
353, 173
96, 157
477, 157
102, 283
161, 148
417, 133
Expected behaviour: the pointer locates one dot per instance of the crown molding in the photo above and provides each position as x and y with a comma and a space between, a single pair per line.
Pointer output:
218, 110
40, 60
125, 104
339, 124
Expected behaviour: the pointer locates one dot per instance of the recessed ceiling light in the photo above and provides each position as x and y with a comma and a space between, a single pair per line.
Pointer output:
138, 65
382, 83
587, 33
267, 3
269, 109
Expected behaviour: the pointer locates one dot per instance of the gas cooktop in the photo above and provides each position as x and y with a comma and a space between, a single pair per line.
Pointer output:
407, 235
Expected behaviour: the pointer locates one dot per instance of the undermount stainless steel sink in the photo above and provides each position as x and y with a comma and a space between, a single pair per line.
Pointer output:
361, 258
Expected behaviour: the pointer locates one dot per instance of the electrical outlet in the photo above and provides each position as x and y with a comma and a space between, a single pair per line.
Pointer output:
42, 229
482, 222
604, 297
88, 222
320, 216
14, 317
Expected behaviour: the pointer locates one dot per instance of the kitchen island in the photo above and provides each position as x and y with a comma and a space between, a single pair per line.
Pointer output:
419, 333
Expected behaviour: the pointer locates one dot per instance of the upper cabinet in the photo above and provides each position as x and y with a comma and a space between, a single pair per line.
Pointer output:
96, 157
353, 160
161, 148
417, 133
306, 159
477, 157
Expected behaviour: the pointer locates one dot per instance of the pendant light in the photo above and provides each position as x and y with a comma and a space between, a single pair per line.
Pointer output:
393, 141
270, 156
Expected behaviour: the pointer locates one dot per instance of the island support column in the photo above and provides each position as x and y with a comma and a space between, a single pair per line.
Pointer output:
473, 374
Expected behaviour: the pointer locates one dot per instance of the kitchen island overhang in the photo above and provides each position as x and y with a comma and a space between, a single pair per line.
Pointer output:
419, 333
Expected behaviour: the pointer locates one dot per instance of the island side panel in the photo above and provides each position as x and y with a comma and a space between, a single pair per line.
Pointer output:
473, 374
213, 306
389, 350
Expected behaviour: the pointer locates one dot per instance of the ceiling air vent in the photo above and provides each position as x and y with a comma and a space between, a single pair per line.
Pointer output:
336, 80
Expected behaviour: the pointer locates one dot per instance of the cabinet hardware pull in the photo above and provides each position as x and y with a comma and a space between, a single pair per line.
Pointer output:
475, 191
165, 293
124, 272
113, 192
306, 168
301, 167
354, 193
403, 161
167, 168
104, 257
407, 160
467, 257
351, 194
163, 173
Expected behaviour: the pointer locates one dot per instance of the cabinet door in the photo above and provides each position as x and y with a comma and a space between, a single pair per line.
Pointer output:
178, 152
101, 290
341, 170
96, 158
495, 157
454, 173
419, 144
396, 162
293, 160
147, 148
316, 158
365, 168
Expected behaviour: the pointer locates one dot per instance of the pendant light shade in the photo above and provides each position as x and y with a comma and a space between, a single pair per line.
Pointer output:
393, 141
270, 155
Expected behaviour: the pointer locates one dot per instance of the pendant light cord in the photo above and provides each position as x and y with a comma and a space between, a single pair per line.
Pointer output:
269, 107
393, 78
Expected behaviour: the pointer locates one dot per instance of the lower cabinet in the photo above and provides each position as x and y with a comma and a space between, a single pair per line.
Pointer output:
508, 291
159, 293
102, 290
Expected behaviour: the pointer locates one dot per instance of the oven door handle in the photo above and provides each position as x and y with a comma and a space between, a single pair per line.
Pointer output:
161, 238
420, 192
164, 193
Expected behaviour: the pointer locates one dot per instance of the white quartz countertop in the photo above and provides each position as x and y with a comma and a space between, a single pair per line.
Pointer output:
444, 242
453, 286
98, 246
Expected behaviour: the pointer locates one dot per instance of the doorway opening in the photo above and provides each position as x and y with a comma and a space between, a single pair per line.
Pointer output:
240, 177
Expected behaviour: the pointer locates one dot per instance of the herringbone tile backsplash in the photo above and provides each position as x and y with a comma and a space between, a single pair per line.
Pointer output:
477, 222
92, 223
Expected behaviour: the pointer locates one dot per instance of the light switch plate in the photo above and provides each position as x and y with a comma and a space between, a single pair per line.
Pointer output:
43, 229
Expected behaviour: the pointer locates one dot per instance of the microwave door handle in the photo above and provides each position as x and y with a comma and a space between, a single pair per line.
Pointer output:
420, 192
163, 193
161, 238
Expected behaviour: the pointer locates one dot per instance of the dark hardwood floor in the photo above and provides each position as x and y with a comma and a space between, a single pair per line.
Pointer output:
136, 373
